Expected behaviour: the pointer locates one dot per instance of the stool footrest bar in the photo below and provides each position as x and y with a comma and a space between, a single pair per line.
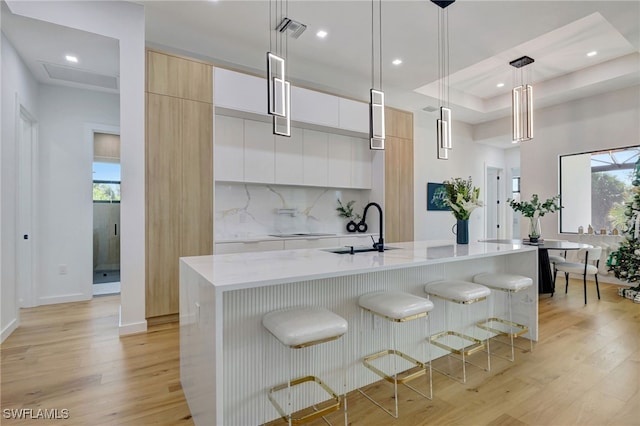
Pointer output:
334, 406
522, 329
407, 376
476, 344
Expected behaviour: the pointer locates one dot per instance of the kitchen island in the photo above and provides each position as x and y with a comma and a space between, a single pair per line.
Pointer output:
224, 348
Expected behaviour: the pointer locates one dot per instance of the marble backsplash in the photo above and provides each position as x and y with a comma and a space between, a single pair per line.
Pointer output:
250, 210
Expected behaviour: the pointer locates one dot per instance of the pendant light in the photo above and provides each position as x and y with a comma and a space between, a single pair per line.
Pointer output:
443, 124
376, 96
522, 101
278, 88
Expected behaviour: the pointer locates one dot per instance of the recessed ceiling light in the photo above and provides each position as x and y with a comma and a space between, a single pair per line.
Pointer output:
592, 53
321, 33
397, 61
72, 58
500, 85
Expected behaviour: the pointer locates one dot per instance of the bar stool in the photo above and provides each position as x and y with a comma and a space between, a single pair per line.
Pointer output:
397, 307
510, 284
460, 293
302, 327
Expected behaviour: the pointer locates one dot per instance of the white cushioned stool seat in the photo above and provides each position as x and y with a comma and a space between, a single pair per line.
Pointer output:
576, 268
304, 324
556, 259
460, 291
395, 304
503, 281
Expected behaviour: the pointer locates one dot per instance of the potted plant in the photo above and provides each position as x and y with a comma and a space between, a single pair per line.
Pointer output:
463, 198
346, 211
534, 210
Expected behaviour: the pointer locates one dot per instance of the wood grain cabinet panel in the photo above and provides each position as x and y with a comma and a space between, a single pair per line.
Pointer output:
179, 175
398, 123
178, 77
163, 182
197, 179
398, 176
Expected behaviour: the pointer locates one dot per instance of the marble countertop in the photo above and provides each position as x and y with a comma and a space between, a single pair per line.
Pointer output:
258, 269
309, 236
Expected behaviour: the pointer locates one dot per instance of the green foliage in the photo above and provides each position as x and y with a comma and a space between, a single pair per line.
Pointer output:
105, 192
625, 262
606, 191
461, 196
346, 210
535, 208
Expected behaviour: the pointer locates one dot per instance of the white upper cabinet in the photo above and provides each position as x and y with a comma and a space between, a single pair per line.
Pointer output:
339, 161
289, 164
259, 152
239, 91
314, 107
314, 154
229, 148
354, 115
361, 160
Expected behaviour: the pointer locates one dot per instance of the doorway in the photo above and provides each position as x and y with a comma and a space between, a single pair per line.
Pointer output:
106, 213
27, 137
493, 207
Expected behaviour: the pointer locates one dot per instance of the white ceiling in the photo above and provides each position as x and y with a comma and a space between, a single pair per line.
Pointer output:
484, 36
43, 47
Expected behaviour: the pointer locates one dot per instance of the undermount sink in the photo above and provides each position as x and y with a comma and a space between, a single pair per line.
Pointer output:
302, 234
356, 249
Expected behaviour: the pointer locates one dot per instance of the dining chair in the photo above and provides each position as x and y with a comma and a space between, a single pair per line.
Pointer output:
556, 256
588, 262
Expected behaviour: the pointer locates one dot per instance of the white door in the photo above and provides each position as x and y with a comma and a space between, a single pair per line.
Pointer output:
25, 259
493, 206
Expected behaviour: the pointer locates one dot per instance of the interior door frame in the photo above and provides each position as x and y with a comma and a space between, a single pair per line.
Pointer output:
26, 265
89, 130
496, 205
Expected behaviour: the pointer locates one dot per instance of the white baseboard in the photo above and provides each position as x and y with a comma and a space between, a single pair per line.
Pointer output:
10, 328
131, 328
65, 298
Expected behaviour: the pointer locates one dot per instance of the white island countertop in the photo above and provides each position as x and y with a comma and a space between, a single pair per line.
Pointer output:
258, 269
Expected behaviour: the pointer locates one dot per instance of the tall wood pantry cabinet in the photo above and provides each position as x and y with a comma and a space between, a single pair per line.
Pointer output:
398, 175
179, 174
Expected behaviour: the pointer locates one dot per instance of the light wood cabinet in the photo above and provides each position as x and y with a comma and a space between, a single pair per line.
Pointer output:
398, 176
179, 177
178, 77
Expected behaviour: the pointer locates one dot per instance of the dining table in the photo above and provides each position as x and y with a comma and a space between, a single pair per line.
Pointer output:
546, 282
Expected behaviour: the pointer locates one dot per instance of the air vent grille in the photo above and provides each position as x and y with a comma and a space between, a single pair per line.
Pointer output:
75, 75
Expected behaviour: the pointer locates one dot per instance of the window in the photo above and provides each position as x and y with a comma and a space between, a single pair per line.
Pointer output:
106, 182
594, 187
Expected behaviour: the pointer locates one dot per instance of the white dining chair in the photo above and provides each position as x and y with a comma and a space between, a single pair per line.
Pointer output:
588, 262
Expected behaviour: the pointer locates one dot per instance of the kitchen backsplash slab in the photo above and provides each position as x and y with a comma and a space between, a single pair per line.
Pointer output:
250, 210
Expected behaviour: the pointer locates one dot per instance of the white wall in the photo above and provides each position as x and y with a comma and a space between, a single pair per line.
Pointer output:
124, 22
466, 159
65, 191
512, 164
16, 81
598, 122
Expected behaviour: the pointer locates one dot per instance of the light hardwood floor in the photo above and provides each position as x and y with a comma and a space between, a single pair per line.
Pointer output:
585, 370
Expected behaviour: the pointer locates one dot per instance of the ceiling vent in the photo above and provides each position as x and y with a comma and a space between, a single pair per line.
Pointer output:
295, 28
87, 78
430, 108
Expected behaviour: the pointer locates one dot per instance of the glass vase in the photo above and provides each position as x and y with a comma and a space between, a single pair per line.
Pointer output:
534, 229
